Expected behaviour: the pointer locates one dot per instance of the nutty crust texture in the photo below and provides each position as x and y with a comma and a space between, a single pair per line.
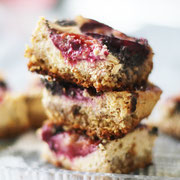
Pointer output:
122, 155
106, 115
127, 63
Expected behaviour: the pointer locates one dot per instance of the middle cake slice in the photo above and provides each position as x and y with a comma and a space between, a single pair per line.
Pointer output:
104, 115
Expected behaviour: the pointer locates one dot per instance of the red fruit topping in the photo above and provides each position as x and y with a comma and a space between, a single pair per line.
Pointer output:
130, 53
78, 47
69, 144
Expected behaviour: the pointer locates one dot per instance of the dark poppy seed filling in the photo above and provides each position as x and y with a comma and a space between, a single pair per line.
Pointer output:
89, 46
129, 50
78, 47
67, 143
69, 90
134, 101
129, 53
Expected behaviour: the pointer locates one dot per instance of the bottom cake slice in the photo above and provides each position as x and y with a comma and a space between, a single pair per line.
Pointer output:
75, 151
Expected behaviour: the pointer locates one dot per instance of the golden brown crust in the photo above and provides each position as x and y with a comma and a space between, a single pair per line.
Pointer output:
86, 83
113, 114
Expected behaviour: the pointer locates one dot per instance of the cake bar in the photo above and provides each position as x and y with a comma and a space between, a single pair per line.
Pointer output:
90, 54
105, 115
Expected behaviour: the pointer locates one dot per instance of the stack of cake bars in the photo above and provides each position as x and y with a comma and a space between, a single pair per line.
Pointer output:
96, 94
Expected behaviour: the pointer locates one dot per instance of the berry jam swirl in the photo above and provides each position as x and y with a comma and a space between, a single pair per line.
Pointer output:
78, 47
67, 143
96, 42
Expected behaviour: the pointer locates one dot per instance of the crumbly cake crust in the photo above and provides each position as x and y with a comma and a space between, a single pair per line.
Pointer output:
122, 155
104, 75
112, 114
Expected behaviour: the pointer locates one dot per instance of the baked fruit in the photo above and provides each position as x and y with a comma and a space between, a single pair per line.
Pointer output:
90, 54
105, 115
75, 151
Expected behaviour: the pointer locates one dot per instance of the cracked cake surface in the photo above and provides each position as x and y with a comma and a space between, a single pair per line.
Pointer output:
90, 54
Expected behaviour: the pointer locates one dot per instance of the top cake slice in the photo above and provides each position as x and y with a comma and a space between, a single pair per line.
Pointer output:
90, 54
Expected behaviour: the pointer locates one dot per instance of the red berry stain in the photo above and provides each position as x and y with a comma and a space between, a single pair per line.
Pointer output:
78, 47
69, 144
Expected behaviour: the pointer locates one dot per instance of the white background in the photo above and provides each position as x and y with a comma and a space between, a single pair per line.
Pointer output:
156, 20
